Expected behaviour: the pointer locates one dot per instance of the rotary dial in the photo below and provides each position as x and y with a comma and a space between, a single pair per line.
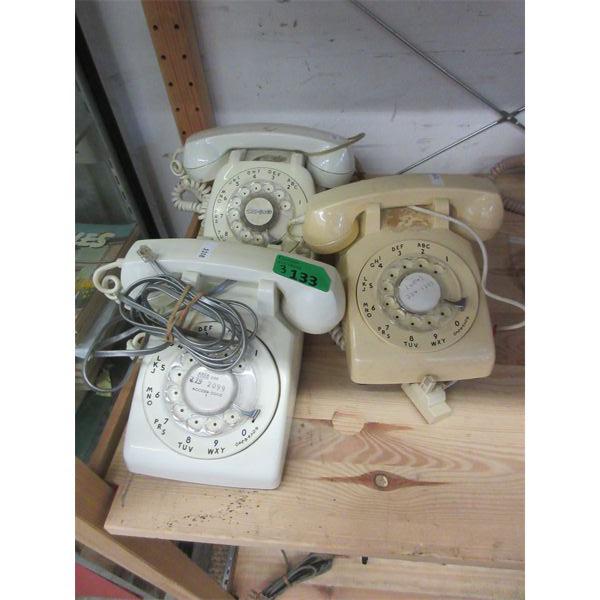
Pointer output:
417, 295
256, 206
208, 414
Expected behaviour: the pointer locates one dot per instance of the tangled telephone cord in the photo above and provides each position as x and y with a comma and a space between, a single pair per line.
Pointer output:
200, 191
138, 308
312, 566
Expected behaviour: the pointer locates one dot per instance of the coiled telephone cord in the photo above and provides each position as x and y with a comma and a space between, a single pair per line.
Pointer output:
337, 335
512, 164
200, 191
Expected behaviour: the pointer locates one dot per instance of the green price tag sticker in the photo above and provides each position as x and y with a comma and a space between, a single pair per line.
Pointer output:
301, 271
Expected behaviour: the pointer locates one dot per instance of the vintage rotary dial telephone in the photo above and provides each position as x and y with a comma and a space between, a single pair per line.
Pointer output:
416, 313
226, 427
263, 176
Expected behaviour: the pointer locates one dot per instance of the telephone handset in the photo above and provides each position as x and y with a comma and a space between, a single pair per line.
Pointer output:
227, 427
310, 303
332, 222
416, 315
264, 175
330, 165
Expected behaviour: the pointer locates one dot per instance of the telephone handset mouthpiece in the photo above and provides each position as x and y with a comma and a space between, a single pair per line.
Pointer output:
313, 297
329, 159
331, 219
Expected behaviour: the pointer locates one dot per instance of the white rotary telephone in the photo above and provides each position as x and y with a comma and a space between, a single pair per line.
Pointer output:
263, 176
226, 427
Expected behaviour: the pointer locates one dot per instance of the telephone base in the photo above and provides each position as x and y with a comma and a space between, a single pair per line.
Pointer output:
429, 398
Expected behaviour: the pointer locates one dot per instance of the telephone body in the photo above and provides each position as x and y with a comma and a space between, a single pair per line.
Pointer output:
227, 428
264, 175
416, 314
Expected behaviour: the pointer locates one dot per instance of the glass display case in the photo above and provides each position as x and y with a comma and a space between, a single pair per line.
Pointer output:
110, 214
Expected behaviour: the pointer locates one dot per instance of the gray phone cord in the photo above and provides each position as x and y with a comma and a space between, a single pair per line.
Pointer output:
220, 353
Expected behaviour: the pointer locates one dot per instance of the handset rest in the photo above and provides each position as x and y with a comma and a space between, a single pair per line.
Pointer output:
330, 220
206, 152
308, 309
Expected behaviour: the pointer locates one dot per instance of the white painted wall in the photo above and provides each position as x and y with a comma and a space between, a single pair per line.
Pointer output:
323, 64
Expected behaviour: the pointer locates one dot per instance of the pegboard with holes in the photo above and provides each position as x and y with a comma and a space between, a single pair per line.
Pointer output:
171, 26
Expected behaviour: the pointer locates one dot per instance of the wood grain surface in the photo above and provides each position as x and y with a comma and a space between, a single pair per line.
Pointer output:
171, 27
454, 490
115, 425
159, 562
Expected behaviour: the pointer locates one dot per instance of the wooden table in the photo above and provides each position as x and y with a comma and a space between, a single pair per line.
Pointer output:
455, 490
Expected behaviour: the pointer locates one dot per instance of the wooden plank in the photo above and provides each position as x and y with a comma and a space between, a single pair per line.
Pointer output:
379, 579
456, 490
193, 228
171, 26
158, 562
113, 430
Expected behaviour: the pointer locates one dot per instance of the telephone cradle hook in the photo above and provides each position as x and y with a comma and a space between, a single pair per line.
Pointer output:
429, 397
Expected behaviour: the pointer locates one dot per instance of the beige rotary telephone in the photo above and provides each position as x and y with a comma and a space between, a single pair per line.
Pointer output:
415, 312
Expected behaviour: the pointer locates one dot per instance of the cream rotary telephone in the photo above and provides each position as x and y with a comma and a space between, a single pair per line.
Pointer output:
229, 424
263, 177
416, 313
